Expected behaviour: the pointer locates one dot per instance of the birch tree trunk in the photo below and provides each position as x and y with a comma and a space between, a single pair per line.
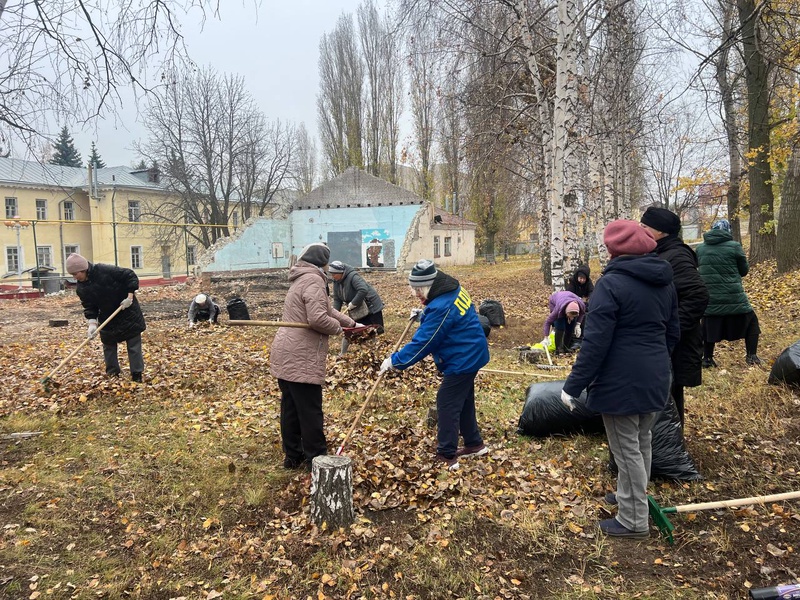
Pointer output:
332, 491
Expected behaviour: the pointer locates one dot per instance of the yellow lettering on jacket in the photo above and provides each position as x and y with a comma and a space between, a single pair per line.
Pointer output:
463, 302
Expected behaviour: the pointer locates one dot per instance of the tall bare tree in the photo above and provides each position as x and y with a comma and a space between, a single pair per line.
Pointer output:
340, 99
70, 58
306, 161
216, 151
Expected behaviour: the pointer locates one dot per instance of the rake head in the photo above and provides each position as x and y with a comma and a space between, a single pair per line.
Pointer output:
660, 519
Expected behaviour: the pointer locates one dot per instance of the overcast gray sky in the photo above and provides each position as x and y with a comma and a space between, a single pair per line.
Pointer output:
275, 47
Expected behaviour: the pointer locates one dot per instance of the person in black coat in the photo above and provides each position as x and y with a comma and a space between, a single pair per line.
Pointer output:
581, 283
687, 357
624, 363
102, 289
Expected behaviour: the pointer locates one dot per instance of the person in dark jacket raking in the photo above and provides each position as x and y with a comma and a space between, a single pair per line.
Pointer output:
102, 289
687, 357
362, 301
449, 330
624, 364
729, 315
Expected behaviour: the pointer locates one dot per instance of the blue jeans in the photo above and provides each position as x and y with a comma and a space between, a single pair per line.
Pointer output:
455, 404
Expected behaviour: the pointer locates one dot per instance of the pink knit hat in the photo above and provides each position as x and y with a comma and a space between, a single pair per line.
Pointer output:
573, 307
75, 263
627, 237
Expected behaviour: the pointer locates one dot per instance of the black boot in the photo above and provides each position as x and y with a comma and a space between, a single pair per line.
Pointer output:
559, 339
751, 347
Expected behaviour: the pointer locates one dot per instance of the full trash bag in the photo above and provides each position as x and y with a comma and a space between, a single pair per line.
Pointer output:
544, 414
787, 367
487, 326
237, 310
493, 310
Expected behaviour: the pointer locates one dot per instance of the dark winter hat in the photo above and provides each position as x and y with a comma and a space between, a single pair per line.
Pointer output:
76, 263
422, 274
627, 237
336, 266
317, 254
662, 220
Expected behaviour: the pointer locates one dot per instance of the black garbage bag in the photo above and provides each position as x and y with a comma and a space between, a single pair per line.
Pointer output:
237, 310
544, 413
487, 326
493, 310
787, 367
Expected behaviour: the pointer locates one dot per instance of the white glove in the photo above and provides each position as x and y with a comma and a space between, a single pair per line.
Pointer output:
350, 307
577, 331
545, 341
415, 313
126, 303
568, 400
192, 324
386, 365
359, 325
92, 328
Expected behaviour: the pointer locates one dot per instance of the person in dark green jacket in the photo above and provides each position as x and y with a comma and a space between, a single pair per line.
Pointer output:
728, 315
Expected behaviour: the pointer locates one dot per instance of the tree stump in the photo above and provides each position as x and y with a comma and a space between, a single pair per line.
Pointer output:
332, 491
433, 416
58, 322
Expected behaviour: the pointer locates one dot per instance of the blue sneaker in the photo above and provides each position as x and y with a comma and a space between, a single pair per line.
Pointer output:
614, 528
611, 498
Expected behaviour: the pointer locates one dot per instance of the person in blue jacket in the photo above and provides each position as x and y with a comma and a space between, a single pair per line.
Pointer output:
624, 363
449, 330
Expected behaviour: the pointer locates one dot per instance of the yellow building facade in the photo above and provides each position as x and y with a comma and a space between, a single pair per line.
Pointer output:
51, 211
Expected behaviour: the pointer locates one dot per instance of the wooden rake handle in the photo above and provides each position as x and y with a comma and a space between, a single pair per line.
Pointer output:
82, 344
501, 372
269, 324
372, 391
732, 503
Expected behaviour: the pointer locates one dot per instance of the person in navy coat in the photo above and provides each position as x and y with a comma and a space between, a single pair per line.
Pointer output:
624, 363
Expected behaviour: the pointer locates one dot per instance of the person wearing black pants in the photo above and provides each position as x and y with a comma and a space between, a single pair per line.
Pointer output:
301, 423
687, 356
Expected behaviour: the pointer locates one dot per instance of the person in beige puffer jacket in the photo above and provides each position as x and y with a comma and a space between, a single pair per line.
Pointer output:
297, 357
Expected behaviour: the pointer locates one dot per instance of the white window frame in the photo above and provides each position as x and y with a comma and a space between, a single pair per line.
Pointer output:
191, 255
12, 208
76, 251
448, 246
137, 257
41, 211
12, 256
69, 210
47, 250
235, 218
134, 211
436, 246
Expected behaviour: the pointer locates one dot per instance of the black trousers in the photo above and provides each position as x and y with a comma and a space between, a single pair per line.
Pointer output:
302, 421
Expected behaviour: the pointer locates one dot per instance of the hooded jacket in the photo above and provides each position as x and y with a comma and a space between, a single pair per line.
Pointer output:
582, 290
449, 330
557, 305
722, 266
101, 293
624, 362
687, 356
299, 354
352, 288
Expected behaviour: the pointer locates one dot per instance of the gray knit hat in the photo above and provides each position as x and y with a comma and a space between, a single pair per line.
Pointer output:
422, 274
76, 263
336, 266
317, 254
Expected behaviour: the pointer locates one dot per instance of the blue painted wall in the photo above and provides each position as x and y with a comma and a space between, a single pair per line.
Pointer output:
355, 235
253, 248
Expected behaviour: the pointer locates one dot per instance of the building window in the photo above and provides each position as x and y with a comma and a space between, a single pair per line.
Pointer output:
12, 260
69, 211
136, 257
235, 218
191, 255
41, 210
44, 254
436, 246
11, 208
448, 246
71, 250
134, 211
